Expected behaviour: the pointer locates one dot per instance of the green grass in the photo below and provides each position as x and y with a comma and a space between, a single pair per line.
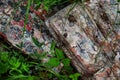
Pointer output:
16, 66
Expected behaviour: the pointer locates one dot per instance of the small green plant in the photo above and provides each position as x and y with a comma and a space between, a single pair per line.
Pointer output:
36, 42
14, 66
57, 57
47, 3
117, 23
74, 76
